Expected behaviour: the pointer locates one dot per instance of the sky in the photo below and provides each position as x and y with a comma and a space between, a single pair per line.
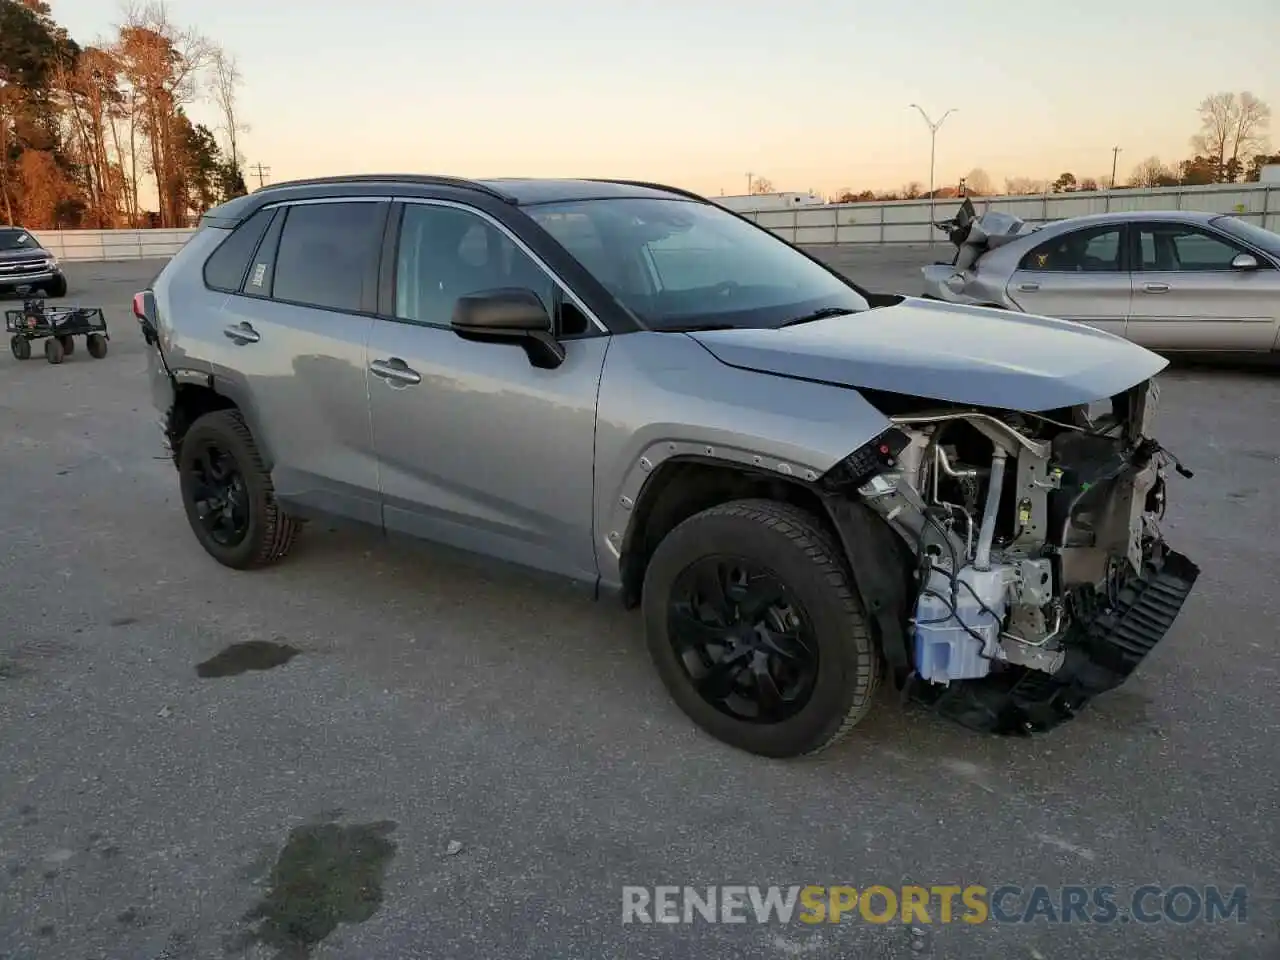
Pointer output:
812, 94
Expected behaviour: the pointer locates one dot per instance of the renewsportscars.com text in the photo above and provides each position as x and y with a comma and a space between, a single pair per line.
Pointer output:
944, 904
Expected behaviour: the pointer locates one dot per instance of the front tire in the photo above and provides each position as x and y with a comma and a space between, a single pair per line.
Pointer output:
20, 347
755, 630
228, 495
53, 351
68, 344
57, 287
97, 345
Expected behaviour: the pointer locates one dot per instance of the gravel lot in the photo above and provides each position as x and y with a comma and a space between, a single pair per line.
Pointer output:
466, 764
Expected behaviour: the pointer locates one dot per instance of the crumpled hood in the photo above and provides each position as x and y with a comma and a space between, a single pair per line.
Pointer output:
978, 356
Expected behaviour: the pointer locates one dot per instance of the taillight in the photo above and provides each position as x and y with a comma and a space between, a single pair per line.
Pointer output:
140, 306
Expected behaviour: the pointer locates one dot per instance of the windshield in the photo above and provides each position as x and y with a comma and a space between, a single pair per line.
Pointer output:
680, 264
18, 240
1250, 233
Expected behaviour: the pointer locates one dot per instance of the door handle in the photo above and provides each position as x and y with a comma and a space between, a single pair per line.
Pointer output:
1155, 287
395, 371
1029, 287
241, 333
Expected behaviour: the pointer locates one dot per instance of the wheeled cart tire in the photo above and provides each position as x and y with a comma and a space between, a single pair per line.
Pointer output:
97, 345
53, 350
20, 347
228, 495
68, 344
755, 630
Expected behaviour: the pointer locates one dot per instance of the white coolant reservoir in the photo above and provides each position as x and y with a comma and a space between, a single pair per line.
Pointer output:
944, 649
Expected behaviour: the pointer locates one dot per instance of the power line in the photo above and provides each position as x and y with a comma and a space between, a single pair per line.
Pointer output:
259, 171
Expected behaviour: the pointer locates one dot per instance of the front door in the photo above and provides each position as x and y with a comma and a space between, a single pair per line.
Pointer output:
1187, 296
478, 448
1080, 276
294, 336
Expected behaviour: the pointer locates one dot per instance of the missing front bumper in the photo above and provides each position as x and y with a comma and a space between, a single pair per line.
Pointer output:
1109, 637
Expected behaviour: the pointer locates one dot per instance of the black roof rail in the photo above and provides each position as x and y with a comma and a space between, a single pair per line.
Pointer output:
418, 178
652, 186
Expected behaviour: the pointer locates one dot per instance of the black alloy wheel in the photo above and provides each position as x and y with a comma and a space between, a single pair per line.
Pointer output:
743, 639
219, 494
756, 631
228, 495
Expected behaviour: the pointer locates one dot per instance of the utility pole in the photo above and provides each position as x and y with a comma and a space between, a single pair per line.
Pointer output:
933, 144
260, 172
749, 176
1115, 155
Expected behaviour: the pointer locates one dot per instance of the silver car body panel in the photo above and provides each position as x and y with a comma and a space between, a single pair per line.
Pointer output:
1175, 310
949, 352
664, 396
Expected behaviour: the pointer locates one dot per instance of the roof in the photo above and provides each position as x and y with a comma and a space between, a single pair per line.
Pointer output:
1125, 216
533, 190
513, 190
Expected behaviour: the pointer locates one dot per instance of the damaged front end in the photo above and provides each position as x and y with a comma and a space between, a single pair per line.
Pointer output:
1041, 577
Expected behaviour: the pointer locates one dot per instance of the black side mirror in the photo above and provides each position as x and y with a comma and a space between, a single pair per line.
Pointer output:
509, 315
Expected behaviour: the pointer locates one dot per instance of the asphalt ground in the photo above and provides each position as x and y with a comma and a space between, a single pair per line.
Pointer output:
459, 763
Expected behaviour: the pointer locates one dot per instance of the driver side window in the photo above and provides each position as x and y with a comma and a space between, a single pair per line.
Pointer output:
1094, 250
446, 253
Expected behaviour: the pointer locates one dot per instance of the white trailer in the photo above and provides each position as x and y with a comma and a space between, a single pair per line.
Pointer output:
770, 201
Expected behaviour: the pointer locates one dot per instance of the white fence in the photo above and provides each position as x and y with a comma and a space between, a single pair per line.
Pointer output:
890, 222
72, 245
909, 221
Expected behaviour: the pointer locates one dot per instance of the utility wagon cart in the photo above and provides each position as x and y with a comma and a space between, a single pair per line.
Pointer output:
57, 327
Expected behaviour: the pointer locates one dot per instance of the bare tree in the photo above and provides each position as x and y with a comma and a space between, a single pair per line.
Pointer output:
762, 185
1025, 186
225, 89
1151, 172
912, 190
1233, 128
978, 182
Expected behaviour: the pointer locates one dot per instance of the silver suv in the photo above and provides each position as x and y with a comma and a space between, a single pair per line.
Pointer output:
805, 486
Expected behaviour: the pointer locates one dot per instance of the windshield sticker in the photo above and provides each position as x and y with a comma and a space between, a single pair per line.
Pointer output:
259, 274
23, 238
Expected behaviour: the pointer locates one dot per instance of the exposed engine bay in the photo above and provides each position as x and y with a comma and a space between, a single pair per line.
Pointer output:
1041, 576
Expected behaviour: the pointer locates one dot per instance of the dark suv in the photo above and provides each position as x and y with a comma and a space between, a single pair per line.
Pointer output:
25, 263
804, 485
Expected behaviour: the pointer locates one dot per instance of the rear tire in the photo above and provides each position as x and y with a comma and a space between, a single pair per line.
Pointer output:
20, 347
799, 562
97, 345
53, 350
68, 344
267, 533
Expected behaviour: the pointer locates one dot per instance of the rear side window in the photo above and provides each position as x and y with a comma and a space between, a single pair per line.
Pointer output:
1092, 250
225, 269
328, 255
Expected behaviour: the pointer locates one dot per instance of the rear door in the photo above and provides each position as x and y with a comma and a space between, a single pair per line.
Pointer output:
293, 347
1082, 275
1187, 296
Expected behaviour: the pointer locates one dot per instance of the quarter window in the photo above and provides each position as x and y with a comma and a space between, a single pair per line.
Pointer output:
328, 255
1085, 251
446, 253
225, 268
1173, 246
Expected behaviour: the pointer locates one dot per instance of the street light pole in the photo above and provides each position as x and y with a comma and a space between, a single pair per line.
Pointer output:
933, 152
